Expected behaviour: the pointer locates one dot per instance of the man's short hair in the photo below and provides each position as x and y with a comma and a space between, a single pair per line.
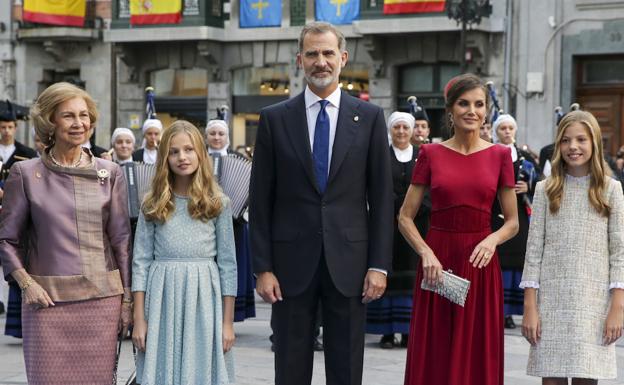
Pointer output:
319, 27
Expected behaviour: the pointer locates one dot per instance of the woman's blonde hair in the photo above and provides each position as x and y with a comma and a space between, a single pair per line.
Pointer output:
42, 112
204, 193
598, 170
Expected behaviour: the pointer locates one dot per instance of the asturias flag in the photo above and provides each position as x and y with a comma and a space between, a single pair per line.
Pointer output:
413, 6
68, 12
337, 11
260, 13
155, 11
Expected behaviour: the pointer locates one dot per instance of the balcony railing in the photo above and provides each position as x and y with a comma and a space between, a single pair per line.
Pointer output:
92, 20
194, 13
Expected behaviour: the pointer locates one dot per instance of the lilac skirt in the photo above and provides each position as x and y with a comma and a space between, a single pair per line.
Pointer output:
72, 342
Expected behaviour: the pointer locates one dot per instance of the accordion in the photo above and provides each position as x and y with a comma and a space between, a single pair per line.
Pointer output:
233, 173
139, 180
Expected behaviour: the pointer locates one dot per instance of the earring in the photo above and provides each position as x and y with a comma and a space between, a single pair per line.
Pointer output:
450, 120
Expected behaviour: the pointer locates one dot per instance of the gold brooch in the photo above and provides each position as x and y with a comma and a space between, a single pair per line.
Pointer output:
103, 174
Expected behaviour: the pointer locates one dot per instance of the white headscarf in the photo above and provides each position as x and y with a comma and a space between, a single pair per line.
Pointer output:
504, 118
404, 155
404, 117
122, 131
152, 123
217, 123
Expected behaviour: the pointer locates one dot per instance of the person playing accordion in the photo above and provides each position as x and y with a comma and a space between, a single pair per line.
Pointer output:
232, 171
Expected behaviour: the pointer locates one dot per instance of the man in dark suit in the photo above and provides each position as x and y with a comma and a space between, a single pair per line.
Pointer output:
321, 214
11, 151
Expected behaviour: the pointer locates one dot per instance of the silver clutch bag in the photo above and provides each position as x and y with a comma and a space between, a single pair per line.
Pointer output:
452, 287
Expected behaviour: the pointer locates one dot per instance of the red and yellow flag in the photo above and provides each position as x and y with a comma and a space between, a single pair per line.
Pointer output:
56, 12
413, 6
155, 11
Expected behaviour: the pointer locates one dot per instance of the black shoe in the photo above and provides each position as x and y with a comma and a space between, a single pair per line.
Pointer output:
2, 311
317, 345
387, 341
404, 338
509, 323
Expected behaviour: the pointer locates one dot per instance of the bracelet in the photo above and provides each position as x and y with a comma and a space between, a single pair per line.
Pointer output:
26, 284
126, 300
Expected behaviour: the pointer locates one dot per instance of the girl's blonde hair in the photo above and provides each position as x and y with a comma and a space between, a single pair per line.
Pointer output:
204, 193
598, 170
42, 112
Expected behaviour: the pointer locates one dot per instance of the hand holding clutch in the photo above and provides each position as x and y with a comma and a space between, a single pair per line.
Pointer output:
452, 287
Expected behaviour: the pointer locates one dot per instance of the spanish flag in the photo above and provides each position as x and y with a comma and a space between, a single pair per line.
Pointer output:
56, 12
413, 6
155, 11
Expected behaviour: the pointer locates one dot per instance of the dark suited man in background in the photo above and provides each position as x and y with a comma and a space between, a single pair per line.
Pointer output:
321, 214
11, 150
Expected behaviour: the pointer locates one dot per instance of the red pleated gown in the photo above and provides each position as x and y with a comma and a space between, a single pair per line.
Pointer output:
450, 344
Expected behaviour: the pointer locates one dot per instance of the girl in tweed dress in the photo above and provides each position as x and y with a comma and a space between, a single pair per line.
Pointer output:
184, 269
574, 268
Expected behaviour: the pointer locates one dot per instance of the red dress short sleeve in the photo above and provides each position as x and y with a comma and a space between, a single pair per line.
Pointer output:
506, 177
422, 169
447, 341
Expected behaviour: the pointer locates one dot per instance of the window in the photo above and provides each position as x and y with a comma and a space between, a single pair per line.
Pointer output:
272, 80
603, 71
426, 78
417, 79
180, 82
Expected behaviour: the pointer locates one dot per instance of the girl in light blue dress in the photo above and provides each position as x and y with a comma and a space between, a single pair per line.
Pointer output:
184, 269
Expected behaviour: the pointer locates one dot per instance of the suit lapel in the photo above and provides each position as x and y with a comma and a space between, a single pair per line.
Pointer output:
346, 128
296, 124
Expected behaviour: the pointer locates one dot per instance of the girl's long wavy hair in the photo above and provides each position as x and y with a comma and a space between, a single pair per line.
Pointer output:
598, 170
204, 193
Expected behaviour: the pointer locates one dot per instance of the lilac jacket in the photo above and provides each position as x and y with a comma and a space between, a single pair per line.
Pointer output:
68, 227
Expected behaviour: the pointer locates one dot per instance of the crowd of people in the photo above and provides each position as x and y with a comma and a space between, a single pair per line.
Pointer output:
353, 218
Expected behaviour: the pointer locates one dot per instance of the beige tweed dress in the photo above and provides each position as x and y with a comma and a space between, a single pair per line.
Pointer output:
574, 258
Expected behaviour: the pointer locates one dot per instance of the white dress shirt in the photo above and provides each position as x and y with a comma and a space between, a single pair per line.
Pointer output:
312, 110
149, 156
403, 156
120, 162
222, 152
6, 151
514, 151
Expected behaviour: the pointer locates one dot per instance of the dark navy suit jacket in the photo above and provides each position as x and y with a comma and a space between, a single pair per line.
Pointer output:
292, 223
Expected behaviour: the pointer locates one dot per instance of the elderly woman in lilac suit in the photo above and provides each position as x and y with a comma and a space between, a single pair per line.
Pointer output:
64, 238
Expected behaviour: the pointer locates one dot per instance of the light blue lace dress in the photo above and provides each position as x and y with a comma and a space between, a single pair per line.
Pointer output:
185, 266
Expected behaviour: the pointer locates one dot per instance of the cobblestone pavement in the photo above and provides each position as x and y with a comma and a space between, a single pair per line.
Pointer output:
254, 360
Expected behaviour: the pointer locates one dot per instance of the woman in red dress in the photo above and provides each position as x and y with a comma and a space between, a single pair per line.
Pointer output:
454, 345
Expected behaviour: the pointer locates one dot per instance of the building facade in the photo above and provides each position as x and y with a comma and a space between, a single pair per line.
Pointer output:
35, 56
208, 60
563, 52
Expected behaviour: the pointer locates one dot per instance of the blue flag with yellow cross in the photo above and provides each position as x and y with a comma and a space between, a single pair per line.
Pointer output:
337, 11
260, 13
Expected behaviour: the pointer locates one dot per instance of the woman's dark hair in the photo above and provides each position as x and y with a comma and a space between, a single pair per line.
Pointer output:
458, 86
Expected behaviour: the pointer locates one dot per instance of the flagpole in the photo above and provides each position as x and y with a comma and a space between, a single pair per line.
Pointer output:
462, 38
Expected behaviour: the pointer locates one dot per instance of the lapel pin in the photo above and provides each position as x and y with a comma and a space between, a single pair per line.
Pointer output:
103, 174
356, 118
